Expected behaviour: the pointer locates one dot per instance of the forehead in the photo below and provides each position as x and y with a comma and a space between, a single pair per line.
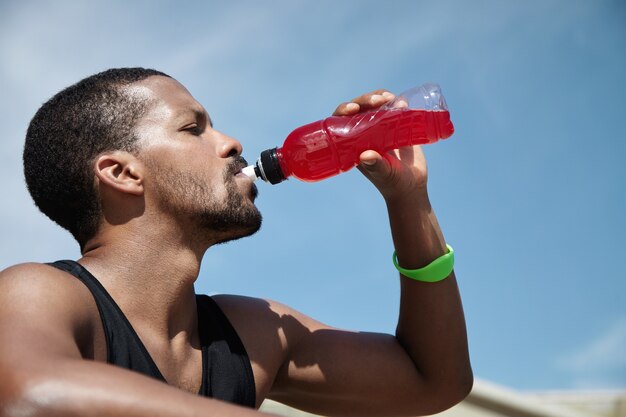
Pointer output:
168, 99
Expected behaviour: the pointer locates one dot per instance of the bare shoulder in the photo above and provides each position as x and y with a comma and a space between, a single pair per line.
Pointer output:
254, 319
264, 314
39, 300
269, 331
236, 305
30, 282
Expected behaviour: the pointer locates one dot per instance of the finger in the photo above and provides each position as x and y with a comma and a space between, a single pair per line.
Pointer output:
364, 102
369, 158
373, 99
376, 167
400, 103
346, 109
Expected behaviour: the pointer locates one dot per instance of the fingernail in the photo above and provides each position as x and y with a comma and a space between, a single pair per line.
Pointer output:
352, 106
369, 162
376, 98
388, 95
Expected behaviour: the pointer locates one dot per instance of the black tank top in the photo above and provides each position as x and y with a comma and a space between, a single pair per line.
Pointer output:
226, 370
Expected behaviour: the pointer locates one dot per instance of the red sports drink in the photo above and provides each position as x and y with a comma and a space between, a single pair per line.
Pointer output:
331, 146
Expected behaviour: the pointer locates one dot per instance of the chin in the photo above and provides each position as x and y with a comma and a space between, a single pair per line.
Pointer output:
237, 217
232, 225
235, 234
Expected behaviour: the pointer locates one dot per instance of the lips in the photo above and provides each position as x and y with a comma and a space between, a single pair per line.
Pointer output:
234, 169
237, 165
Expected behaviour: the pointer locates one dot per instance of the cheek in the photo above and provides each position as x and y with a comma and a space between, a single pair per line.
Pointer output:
219, 193
195, 167
213, 183
193, 153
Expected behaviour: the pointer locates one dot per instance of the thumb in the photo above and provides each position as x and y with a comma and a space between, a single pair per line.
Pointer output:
369, 159
374, 165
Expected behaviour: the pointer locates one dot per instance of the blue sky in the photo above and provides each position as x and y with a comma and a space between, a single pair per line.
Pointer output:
530, 190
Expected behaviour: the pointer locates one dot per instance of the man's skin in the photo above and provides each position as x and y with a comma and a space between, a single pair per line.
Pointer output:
147, 255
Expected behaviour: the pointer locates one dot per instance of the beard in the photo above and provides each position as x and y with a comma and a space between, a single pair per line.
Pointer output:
225, 215
237, 215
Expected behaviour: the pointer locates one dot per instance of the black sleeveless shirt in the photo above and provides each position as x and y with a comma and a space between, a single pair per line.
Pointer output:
226, 370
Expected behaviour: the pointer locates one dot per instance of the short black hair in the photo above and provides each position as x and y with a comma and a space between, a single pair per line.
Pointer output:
68, 133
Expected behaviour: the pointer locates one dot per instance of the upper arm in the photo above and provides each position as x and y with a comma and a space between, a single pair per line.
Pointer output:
340, 372
322, 369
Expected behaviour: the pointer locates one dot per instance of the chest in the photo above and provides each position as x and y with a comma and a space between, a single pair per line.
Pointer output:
213, 364
184, 368
219, 365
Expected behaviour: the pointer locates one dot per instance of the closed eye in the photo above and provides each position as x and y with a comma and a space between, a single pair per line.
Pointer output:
197, 122
194, 129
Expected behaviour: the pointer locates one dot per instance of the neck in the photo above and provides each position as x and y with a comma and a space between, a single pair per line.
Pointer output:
150, 272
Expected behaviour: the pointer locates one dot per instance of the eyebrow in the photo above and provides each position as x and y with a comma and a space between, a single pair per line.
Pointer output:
198, 114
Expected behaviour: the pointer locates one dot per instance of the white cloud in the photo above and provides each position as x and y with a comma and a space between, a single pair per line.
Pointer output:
601, 362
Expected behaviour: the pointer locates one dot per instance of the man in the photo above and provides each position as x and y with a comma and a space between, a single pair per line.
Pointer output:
130, 164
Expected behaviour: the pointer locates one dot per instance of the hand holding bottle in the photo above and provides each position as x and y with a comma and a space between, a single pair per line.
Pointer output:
376, 121
397, 172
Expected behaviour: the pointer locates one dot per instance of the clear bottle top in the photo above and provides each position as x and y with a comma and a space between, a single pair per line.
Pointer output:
424, 97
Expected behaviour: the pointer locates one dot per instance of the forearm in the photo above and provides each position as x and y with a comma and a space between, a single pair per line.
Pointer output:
416, 234
85, 388
431, 325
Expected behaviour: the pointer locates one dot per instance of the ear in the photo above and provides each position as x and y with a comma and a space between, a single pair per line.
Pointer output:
120, 171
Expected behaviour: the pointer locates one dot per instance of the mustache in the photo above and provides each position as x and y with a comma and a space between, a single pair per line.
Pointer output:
237, 164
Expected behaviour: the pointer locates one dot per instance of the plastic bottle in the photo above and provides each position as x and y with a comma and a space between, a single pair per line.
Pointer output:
328, 147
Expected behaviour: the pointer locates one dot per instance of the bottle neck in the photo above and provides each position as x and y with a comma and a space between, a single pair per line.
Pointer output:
269, 167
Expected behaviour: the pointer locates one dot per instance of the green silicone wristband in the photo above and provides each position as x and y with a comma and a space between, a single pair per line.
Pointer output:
437, 270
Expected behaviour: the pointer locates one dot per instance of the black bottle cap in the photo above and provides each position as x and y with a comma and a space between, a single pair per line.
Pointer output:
269, 167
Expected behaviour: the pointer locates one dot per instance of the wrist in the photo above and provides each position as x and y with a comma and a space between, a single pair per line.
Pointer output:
437, 270
414, 198
415, 230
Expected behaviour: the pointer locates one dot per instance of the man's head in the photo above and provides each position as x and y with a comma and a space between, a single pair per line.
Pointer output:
191, 170
119, 110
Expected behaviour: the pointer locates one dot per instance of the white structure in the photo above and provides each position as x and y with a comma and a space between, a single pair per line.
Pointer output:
489, 400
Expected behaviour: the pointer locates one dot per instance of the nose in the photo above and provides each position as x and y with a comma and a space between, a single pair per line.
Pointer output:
228, 147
